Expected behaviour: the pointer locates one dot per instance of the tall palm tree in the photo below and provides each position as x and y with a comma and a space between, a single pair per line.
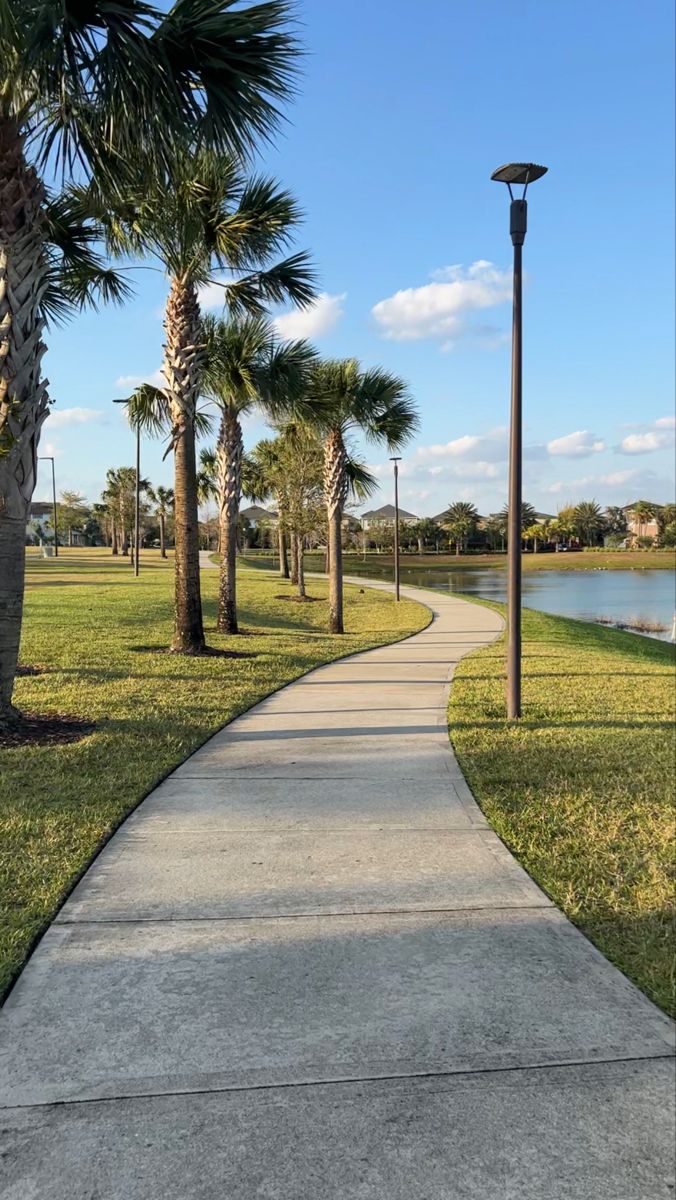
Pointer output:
247, 368
528, 515
460, 519
201, 217
163, 499
589, 521
373, 403
86, 89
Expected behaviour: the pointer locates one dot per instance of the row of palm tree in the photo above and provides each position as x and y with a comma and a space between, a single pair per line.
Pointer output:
245, 367
145, 117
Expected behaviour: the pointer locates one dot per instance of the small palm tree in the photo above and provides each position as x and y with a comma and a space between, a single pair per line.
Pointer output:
460, 519
373, 403
90, 88
247, 368
534, 533
642, 512
163, 499
589, 521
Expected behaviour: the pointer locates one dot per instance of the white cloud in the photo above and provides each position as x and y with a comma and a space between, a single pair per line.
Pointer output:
318, 319
580, 444
491, 446
647, 443
211, 296
127, 383
665, 423
438, 309
59, 417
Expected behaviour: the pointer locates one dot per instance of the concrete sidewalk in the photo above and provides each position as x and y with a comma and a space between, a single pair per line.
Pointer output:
306, 969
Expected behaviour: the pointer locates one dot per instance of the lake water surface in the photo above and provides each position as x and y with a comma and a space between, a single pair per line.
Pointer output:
623, 596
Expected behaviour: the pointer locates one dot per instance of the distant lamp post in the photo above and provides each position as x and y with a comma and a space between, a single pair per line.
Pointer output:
396, 462
137, 498
516, 173
50, 458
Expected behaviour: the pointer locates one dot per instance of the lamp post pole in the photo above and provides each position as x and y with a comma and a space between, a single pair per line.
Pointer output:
396, 462
516, 173
137, 496
137, 502
49, 458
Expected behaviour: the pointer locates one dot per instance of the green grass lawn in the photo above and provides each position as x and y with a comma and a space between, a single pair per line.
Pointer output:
582, 789
89, 624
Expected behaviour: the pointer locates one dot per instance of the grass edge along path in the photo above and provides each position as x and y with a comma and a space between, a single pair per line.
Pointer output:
98, 635
582, 789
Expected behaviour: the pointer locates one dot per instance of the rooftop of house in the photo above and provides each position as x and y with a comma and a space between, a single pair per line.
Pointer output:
255, 513
387, 513
630, 507
40, 508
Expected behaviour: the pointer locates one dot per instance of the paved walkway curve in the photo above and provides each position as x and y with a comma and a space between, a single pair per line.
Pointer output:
306, 969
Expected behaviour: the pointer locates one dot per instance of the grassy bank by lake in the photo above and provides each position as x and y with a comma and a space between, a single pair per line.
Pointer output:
96, 634
602, 560
582, 789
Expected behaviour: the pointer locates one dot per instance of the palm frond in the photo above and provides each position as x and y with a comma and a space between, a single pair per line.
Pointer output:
362, 483
114, 80
292, 279
76, 273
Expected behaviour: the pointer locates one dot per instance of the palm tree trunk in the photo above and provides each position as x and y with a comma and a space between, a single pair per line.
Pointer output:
335, 494
229, 455
300, 571
183, 357
113, 537
163, 547
23, 393
283, 553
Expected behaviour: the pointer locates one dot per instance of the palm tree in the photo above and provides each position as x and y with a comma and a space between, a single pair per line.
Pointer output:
589, 521
642, 511
89, 88
534, 533
528, 516
247, 368
374, 403
460, 519
204, 216
163, 499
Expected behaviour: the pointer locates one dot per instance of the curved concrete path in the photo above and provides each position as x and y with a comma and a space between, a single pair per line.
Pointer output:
306, 969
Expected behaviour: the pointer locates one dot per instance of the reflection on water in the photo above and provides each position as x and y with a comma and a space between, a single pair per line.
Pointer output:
620, 595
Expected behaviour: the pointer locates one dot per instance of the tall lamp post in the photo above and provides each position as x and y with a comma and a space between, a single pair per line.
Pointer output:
50, 458
516, 173
137, 498
396, 462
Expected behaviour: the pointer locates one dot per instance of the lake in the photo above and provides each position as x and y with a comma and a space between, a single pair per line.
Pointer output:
623, 596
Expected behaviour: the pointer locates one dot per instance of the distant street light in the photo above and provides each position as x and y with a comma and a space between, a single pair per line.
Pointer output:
516, 173
50, 458
396, 462
137, 499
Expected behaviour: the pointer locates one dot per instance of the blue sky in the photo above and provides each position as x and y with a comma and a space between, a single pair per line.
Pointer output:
403, 112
